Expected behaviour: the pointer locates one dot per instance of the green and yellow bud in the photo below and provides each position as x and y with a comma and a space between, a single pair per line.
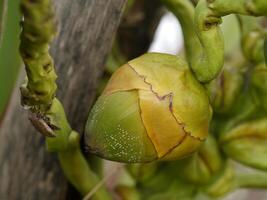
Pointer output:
246, 143
152, 109
203, 165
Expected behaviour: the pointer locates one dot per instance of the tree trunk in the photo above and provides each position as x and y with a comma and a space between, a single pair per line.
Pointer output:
86, 29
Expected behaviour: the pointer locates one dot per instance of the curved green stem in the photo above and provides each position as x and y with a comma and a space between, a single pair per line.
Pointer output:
184, 11
253, 43
207, 62
209, 65
203, 38
207, 17
77, 171
67, 144
245, 7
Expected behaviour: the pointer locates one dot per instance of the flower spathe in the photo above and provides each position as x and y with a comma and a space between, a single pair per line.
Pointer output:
152, 109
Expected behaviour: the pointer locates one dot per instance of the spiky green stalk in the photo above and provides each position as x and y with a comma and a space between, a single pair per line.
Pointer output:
38, 93
38, 31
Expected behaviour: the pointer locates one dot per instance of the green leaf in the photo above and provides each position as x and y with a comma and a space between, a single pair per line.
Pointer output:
3, 9
9, 54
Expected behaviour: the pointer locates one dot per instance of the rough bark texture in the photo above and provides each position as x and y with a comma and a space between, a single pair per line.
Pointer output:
86, 29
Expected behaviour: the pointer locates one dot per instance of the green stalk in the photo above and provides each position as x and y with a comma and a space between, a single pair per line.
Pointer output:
66, 143
184, 11
209, 65
245, 7
96, 164
38, 93
203, 38
77, 171
38, 31
253, 45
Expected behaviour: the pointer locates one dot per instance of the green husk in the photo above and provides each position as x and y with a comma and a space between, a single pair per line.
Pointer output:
115, 130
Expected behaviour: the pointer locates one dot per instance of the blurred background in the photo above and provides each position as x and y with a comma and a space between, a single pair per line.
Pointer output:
143, 27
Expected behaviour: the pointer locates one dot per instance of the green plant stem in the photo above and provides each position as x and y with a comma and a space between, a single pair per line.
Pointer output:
184, 11
245, 7
209, 65
253, 44
38, 30
77, 171
203, 37
96, 164
38, 93
67, 144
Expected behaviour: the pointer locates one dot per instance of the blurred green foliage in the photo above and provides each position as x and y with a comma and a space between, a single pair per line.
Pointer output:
231, 33
9, 55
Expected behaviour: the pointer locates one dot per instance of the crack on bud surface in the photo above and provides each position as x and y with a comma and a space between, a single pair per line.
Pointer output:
171, 112
161, 98
140, 110
178, 144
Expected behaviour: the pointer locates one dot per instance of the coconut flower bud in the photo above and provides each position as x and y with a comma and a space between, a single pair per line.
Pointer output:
246, 143
203, 165
152, 109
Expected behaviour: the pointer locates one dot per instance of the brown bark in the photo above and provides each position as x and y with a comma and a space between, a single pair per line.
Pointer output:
86, 29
